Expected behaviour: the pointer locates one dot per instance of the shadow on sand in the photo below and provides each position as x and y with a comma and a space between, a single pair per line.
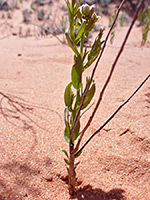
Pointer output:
21, 174
89, 193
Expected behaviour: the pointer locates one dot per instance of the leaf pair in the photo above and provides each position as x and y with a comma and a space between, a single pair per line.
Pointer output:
67, 160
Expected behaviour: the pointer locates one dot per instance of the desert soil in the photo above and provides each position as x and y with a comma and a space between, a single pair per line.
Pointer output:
115, 165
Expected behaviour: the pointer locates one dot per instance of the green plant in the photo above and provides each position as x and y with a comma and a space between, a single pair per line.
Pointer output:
122, 22
26, 16
9, 16
3, 16
41, 14
144, 18
111, 20
20, 31
63, 24
77, 95
81, 21
123, 19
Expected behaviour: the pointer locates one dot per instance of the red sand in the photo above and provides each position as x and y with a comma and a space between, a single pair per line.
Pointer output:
34, 73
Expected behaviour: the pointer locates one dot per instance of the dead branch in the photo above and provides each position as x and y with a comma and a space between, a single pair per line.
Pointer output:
109, 76
113, 115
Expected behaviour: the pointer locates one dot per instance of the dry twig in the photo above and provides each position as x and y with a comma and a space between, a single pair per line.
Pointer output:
112, 116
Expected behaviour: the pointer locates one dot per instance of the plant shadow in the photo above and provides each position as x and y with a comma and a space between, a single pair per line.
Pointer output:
20, 186
90, 193
22, 114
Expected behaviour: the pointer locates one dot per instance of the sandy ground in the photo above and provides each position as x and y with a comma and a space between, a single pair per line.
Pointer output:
115, 165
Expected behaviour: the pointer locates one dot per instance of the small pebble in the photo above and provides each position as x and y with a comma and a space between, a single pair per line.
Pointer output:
25, 195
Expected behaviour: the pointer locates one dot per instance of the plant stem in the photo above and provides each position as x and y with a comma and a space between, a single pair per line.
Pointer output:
72, 175
112, 116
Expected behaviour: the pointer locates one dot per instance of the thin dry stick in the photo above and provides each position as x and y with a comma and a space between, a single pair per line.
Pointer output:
93, 72
109, 76
112, 116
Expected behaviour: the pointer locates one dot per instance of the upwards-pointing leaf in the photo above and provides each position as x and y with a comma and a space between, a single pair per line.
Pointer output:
70, 11
77, 73
96, 46
80, 32
77, 7
76, 132
68, 97
65, 113
71, 45
63, 150
66, 133
76, 156
66, 161
73, 3
89, 96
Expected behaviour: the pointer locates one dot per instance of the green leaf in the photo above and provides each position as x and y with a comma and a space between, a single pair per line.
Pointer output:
77, 7
66, 161
79, 15
85, 54
63, 150
96, 45
65, 113
76, 164
146, 25
76, 156
77, 73
66, 133
73, 3
87, 83
70, 11
69, 5
92, 58
76, 131
71, 45
72, 118
75, 78
80, 32
91, 23
68, 96
89, 96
